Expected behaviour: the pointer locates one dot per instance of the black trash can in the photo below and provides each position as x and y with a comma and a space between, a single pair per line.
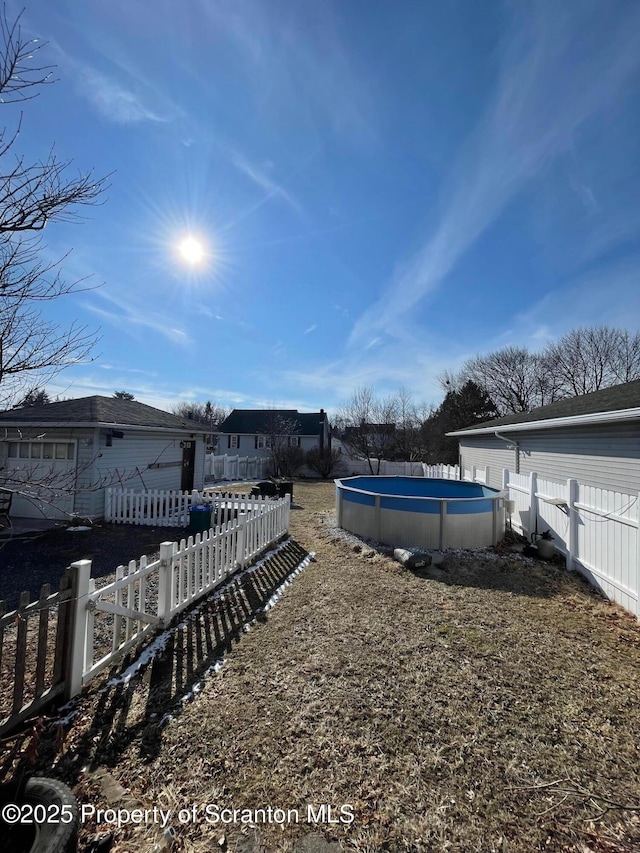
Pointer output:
267, 489
199, 519
285, 487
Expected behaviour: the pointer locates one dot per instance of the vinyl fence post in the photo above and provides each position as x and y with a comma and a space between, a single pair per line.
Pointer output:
532, 522
572, 538
107, 504
287, 512
165, 583
241, 539
80, 572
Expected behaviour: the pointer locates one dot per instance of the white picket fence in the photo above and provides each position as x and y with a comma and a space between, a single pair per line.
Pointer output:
235, 468
146, 596
156, 508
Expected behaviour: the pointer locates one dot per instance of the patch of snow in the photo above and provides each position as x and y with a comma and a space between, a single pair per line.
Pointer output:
152, 650
158, 645
278, 593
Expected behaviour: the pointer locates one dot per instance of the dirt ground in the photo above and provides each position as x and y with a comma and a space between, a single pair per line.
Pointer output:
493, 705
28, 563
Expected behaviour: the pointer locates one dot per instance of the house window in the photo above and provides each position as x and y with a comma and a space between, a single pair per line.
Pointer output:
262, 442
41, 450
294, 441
234, 442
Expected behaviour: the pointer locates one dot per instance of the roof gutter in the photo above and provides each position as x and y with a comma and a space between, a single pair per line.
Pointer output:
554, 423
69, 425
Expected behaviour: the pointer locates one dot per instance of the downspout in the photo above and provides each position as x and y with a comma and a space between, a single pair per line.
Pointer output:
515, 446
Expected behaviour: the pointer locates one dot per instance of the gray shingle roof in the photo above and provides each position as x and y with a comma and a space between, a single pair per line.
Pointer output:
99, 410
258, 421
616, 398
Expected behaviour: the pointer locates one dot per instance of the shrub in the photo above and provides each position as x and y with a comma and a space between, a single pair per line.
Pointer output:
324, 462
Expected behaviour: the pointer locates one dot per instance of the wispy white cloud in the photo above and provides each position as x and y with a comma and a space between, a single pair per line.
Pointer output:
310, 329
298, 62
122, 96
581, 300
416, 365
121, 368
130, 318
260, 177
559, 69
114, 100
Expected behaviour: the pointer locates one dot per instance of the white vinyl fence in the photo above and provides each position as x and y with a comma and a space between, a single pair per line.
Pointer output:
235, 467
145, 596
442, 472
401, 469
596, 529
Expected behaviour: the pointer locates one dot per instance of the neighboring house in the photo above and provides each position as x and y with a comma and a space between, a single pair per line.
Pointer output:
379, 439
594, 438
248, 432
64, 454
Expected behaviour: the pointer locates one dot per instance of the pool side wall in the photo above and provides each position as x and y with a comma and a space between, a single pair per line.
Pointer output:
421, 522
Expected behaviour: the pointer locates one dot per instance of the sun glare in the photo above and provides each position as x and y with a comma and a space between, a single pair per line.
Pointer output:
191, 251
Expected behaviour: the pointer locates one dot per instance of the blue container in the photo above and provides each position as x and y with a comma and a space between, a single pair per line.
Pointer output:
199, 519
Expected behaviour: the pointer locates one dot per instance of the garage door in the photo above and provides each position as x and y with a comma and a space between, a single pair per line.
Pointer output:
44, 472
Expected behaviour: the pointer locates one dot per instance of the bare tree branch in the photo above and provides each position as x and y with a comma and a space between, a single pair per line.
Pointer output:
32, 349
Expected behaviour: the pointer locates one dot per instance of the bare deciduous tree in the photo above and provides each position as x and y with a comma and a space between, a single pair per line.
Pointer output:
410, 416
513, 377
283, 440
369, 425
583, 360
586, 360
31, 196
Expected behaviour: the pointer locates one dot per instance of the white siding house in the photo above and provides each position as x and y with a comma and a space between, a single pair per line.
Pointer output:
594, 438
59, 458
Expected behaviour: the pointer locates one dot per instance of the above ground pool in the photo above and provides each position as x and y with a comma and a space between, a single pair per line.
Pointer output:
421, 512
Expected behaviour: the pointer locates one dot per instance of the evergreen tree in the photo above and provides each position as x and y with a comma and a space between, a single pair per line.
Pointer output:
459, 409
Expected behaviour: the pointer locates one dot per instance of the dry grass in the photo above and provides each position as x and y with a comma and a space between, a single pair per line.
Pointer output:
494, 709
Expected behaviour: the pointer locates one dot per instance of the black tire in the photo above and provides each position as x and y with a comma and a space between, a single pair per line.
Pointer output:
44, 837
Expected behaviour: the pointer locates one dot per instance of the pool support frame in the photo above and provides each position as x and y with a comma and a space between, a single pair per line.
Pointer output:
403, 523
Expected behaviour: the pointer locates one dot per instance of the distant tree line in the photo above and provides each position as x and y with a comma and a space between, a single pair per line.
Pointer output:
208, 413
509, 380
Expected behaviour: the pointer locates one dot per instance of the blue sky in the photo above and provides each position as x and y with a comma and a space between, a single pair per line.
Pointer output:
383, 189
